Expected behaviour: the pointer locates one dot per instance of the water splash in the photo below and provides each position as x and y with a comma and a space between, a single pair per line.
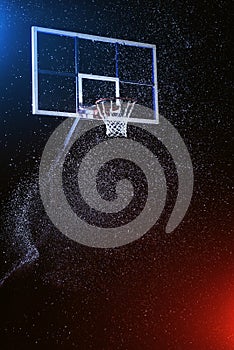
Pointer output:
16, 236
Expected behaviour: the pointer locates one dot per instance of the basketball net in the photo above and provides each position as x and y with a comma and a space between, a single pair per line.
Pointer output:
119, 109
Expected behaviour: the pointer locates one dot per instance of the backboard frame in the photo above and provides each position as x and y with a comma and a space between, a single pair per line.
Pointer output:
80, 76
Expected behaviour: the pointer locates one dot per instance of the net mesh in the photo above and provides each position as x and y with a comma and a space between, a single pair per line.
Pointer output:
116, 128
120, 108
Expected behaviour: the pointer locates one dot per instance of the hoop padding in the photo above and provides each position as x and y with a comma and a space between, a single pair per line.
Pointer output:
120, 108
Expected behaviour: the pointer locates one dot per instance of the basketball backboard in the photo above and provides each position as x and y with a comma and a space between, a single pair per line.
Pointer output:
70, 71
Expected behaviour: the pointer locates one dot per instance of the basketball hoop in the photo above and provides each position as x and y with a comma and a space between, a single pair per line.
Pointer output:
115, 112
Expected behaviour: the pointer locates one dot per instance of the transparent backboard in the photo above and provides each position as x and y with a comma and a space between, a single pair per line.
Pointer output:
70, 71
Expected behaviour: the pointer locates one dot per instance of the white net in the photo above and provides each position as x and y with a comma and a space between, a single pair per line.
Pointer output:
116, 128
120, 108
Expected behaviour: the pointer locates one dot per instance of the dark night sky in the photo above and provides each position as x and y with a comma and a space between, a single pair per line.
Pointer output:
163, 291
